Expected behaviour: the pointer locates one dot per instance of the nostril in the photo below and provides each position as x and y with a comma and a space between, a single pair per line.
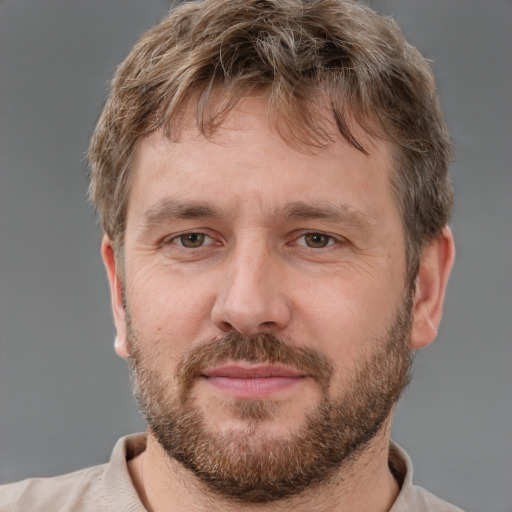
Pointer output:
250, 313
226, 326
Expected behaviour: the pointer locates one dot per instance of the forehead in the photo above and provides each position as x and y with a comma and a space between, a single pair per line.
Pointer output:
249, 156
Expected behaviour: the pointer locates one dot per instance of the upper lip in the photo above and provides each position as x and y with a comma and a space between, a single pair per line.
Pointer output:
246, 371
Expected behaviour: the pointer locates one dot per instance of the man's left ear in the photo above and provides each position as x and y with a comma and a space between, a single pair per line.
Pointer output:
435, 267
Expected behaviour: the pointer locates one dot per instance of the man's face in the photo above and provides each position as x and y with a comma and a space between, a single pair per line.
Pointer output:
267, 315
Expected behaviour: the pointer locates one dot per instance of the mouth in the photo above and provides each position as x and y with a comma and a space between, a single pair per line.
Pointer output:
257, 381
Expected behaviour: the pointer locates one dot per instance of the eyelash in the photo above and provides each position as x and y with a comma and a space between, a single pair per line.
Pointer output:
176, 239
329, 240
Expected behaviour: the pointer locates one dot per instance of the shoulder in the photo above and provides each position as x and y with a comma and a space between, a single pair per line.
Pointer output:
413, 497
420, 499
96, 489
78, 491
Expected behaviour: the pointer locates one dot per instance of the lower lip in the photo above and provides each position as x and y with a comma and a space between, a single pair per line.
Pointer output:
258, 387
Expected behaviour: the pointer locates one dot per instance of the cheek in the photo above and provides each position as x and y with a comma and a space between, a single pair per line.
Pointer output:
343, 317
168, 307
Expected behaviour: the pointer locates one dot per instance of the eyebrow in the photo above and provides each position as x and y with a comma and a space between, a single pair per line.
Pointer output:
341, 213
170, 209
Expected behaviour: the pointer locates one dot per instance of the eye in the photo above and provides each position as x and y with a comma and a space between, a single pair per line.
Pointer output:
316, 240
191, 240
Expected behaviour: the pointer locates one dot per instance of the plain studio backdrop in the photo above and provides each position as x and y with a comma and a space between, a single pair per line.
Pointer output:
64, 394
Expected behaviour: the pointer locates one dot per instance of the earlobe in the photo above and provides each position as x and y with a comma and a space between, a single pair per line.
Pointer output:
435, 267
116, 296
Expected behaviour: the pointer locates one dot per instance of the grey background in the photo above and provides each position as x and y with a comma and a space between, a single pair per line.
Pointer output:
64, 395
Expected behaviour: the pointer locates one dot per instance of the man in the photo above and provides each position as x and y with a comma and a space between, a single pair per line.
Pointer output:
271, 180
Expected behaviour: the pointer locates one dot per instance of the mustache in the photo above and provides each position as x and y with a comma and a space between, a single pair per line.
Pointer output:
257, 348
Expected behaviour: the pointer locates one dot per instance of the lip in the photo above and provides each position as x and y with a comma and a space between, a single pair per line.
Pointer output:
252, 381
247, 371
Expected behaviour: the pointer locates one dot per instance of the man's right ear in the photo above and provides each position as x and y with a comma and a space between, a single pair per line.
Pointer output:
116, 295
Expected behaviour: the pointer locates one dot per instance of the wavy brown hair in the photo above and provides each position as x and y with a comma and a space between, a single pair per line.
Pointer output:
206, 56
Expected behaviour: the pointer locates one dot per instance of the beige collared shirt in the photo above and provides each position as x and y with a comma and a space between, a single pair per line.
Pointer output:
109, 488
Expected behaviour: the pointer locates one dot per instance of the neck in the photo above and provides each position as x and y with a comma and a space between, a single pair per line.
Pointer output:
366, 485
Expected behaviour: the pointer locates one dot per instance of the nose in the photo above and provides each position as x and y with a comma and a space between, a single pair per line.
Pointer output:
251, 296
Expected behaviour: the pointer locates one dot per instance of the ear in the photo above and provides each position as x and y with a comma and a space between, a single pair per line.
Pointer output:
116, 296
435, 267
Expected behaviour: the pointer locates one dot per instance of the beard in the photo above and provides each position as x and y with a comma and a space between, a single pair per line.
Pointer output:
247, 465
